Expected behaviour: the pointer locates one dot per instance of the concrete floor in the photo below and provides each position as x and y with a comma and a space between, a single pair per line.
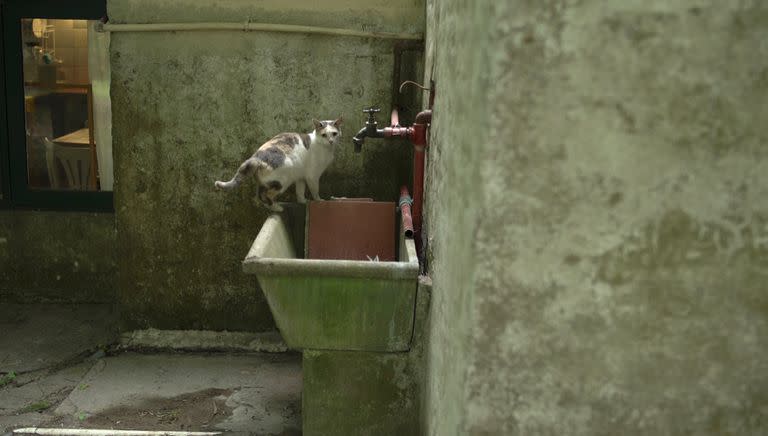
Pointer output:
38, 336
64, 378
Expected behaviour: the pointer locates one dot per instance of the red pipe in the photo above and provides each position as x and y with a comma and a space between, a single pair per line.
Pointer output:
419, 139
417, 134
394, 118
418, 190
405, 211
398, 131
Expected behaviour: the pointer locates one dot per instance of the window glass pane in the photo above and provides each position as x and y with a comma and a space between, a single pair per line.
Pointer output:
62, 151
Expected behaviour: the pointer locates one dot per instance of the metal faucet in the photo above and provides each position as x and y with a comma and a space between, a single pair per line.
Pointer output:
370, 130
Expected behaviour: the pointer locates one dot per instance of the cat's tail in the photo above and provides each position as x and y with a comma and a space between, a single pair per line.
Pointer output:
246, 169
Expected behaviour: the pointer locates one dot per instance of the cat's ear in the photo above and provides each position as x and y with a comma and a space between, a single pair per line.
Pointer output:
337, 123
318, 124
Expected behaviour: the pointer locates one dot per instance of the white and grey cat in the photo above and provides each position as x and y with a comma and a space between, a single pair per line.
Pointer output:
289, 158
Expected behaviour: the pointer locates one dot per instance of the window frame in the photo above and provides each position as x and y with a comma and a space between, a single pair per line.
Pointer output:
13, 151
5, 167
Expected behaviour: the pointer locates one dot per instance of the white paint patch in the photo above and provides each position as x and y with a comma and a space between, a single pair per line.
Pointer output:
99, 432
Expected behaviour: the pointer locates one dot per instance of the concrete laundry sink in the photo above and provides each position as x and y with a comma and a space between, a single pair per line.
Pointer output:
334, 304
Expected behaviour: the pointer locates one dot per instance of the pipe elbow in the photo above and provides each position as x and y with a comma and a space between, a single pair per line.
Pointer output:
423, 117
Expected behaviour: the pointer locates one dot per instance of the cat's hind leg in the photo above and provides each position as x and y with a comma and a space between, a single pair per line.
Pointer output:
268, 193
245, 170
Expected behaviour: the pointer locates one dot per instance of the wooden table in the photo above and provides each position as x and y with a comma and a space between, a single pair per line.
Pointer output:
78, 138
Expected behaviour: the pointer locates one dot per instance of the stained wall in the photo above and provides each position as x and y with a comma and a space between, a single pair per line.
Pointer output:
189, 107
597, 217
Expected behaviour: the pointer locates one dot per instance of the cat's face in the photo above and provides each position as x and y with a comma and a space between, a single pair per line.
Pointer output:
328, 131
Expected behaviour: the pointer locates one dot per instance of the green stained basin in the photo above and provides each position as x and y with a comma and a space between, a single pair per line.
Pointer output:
333, 304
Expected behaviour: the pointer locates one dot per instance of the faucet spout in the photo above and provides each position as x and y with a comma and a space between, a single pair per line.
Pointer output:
359, 139
369, 131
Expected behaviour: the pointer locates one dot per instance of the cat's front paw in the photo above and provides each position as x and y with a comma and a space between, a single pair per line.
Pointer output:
275, 207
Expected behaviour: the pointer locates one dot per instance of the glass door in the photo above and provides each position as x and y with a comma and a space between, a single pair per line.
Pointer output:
53, 63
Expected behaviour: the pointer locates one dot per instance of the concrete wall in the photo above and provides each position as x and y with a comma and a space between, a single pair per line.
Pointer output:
598, 236
57, 256
453, 191
188, 107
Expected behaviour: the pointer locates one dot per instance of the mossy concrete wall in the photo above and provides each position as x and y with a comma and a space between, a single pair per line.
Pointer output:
597, 210
57, 256
189, 107
367, 393
360, 393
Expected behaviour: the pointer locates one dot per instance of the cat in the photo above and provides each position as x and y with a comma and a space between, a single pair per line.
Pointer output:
289, 158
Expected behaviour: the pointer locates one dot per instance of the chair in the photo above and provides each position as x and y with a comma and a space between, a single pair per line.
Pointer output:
76, 162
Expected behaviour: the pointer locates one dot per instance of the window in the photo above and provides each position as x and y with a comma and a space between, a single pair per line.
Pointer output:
57, 153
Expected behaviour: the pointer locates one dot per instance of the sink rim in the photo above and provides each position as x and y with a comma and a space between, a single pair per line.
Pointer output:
257, 263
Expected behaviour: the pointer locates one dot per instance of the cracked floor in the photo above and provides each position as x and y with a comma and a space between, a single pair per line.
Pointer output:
86, 385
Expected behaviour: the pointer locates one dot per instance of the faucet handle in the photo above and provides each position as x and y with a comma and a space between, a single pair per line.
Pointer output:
371, 111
